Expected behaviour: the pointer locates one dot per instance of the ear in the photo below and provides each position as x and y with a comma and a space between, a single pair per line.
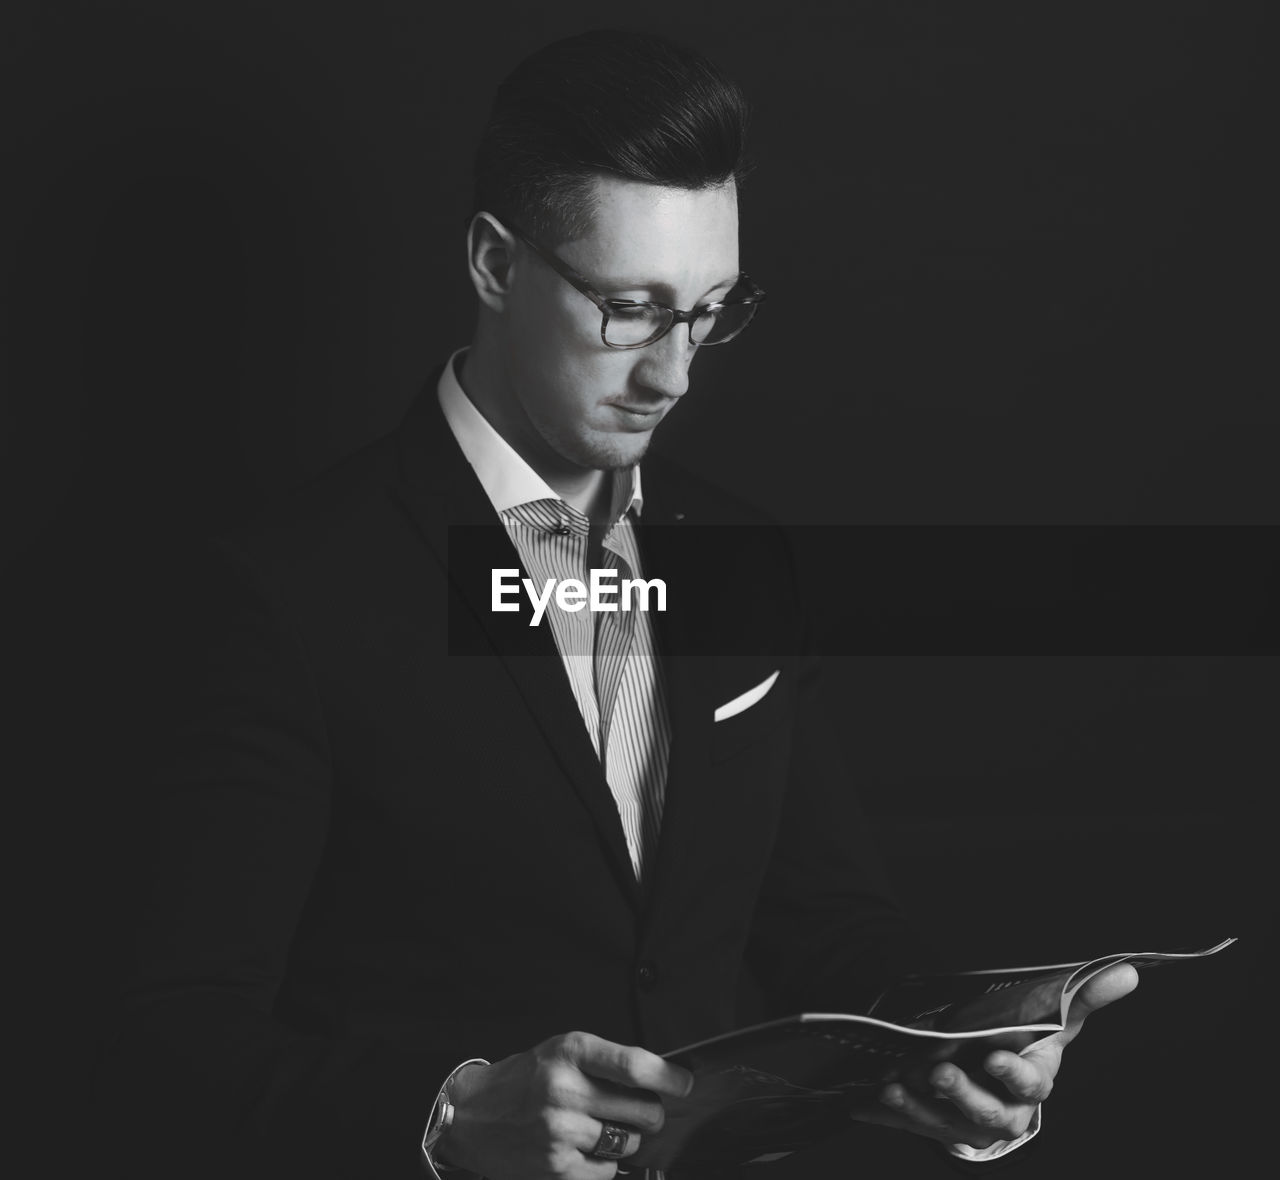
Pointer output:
490, 250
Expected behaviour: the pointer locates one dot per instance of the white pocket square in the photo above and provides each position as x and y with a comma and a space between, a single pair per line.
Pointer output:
746, 700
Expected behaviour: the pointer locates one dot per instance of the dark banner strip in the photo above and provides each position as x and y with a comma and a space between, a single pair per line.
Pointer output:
924, 590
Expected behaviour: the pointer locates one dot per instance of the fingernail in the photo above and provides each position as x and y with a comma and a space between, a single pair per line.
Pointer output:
892, 1098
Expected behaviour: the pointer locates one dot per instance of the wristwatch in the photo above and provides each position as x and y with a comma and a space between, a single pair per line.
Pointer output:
441, 1117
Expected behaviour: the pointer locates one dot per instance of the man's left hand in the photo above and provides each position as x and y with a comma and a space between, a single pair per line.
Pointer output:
958, 1107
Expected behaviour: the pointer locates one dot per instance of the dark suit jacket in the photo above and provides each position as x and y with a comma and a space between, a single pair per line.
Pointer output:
375, 859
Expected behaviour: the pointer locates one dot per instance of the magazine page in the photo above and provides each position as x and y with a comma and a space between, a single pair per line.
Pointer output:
1142, 961
978, 999
777, 1087
771, 1089
1005, 995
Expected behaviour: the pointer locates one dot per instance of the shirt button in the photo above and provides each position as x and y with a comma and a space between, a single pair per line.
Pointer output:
563, 530
647, 974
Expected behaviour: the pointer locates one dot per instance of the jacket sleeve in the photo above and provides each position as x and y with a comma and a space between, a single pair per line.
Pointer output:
195, 1075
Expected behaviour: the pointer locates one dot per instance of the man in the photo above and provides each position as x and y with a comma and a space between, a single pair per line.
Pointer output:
418, 906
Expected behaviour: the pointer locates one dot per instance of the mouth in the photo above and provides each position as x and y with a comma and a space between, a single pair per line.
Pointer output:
639, 417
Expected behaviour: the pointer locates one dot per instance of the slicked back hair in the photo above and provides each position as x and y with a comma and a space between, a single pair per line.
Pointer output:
614, 103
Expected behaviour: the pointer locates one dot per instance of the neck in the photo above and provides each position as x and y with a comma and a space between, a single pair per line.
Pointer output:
484, 381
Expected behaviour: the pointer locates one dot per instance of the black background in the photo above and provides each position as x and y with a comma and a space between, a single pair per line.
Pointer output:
1017, 273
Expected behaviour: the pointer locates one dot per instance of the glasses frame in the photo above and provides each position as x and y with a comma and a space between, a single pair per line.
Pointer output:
606, 305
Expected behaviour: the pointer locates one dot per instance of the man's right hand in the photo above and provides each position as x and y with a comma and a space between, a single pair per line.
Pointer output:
539, 1113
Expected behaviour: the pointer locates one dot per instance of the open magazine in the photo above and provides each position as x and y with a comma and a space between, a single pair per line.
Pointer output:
765, 1091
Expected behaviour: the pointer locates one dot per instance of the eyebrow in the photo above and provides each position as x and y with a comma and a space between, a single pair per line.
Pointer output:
663, 289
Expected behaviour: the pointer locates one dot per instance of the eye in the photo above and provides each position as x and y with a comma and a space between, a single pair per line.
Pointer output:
630, 325
629, 311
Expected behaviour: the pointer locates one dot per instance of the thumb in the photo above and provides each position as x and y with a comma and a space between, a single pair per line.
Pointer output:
1116, 982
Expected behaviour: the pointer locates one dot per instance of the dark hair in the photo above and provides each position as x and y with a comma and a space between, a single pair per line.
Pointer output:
625, 104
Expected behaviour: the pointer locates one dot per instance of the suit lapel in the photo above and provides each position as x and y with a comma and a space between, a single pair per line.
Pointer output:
441, 491
690, 808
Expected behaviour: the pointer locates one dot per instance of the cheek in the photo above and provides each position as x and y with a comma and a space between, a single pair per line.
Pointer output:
604, 374
574, 387
545, 323
559, 363
567, 384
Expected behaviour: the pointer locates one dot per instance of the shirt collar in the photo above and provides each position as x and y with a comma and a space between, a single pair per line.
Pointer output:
507, 479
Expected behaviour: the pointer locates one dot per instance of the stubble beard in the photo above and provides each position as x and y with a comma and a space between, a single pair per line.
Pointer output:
598, 452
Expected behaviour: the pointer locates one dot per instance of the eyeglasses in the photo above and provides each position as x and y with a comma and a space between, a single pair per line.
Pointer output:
633, 323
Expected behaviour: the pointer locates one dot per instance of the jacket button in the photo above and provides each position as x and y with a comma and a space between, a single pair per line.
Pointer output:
647, 974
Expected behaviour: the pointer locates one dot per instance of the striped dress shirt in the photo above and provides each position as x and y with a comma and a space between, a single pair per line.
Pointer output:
610, 658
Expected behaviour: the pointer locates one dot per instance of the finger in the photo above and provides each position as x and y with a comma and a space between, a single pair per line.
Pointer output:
573, 1136
925, 1115
908, 1112
979, 1106
596, 1130
1105, 988
930, 1117
1029, 1078
629, 1065
571, 1090
582, 1167
607, 1100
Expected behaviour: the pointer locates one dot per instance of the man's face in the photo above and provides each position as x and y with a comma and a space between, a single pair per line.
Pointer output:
589, 405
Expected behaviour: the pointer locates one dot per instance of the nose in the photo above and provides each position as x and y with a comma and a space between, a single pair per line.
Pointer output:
663, 366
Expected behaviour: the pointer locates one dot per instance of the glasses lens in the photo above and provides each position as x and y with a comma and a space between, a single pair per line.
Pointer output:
630, 326
715, 327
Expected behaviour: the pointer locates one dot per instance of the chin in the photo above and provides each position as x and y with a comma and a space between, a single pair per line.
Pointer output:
615, 454
605, 451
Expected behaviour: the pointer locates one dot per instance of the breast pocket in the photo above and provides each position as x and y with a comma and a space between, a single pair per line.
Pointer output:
751, 715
